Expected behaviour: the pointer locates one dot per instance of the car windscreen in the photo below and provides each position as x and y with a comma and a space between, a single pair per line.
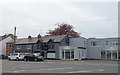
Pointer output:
29, 54
37, 54
15, 54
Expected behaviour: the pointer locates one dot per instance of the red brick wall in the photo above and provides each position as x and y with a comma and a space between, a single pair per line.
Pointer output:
8, 50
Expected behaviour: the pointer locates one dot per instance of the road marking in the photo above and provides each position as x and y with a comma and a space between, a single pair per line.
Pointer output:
58, 68
18, 71
104, 64
53, 69
86, 71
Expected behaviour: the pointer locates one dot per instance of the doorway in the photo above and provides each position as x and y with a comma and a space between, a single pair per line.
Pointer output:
42, 54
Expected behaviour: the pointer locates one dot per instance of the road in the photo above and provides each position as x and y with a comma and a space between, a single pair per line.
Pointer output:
83, 66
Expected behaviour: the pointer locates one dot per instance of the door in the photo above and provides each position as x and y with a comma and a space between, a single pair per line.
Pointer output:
42, 54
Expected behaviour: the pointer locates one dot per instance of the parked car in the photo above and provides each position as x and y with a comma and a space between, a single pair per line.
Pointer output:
33, 57
3, 57
16, 56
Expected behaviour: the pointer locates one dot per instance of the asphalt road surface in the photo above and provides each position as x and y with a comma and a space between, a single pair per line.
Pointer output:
47, 66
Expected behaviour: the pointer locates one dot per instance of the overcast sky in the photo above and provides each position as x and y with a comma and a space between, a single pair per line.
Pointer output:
91, 19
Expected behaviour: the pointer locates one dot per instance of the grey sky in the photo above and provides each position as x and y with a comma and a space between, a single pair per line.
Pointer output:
91, 19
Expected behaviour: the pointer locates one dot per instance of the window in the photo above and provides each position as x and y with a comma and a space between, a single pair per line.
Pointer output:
93, 43
99, 43
118, 54
44, 47
115, 43
62, 54
106, 42
9, 45
108, 54
72, 54
67, 40
51, 46
67, 54
18, 46
96, 43
114, 53
38, 46
85, 43
103, 55
29, 46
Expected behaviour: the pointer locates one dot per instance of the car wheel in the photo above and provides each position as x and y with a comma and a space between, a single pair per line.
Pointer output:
25, 59
17, 59
35, 59
9, 59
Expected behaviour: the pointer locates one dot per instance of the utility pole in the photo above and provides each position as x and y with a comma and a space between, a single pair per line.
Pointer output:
14, 39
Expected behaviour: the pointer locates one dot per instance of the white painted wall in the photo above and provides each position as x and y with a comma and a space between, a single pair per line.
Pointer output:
79, 42
3, 45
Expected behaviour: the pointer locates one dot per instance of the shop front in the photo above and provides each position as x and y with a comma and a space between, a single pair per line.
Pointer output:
110, 54
71, 53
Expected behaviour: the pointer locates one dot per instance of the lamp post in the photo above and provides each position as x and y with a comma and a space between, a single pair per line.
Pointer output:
14, 39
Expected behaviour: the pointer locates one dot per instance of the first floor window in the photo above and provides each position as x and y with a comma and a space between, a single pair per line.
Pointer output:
9, 45
50, 46
93, 43
29, 47
38, 46
18, 46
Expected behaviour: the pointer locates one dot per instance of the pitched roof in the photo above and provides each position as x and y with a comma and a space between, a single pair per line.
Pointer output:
3, 37
55, 38
26, 40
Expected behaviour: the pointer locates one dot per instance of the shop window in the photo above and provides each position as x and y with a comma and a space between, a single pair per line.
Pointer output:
72, 54
103, 56
67, 54
108, 54
62, 54
118, 54
114, 54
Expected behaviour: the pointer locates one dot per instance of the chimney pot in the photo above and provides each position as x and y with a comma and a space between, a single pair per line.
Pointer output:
39, 36
29, 37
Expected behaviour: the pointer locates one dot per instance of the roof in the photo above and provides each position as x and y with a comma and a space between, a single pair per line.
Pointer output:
55, 38
3, 37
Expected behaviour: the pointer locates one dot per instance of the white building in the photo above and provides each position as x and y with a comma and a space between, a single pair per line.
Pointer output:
76, 51
99, 48
3, 41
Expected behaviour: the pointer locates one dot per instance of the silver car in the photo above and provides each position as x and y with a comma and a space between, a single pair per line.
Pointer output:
16, 56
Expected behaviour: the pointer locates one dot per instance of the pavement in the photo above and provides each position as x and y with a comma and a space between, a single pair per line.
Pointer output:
60, 66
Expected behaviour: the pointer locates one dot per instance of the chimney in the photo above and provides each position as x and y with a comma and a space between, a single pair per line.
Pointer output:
39, 36
29, 37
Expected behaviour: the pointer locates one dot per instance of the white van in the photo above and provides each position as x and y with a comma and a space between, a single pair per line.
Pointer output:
16, 56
